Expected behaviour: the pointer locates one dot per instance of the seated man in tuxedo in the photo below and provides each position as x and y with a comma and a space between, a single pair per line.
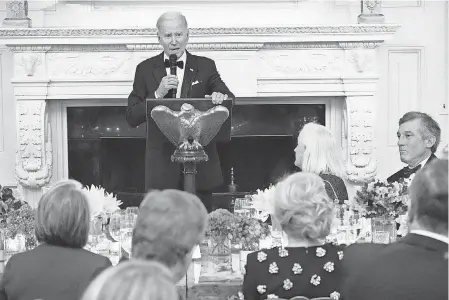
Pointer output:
197, 77
418, 139
415, 267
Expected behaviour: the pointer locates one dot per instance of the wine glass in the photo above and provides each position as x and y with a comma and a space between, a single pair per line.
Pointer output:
114, 226
127, 222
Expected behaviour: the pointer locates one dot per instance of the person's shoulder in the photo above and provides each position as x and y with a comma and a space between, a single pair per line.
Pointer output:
331, 178
202, 59
148, 62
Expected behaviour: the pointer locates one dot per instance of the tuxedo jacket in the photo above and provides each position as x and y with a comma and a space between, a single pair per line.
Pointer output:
160, 171
50, 273
414, 268
400, 174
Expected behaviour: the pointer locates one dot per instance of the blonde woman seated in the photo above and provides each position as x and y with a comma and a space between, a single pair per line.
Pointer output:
133, 280
317, 153
59, 268
307, 266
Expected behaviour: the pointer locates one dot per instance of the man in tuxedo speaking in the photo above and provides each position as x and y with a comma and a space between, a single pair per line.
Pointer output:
418, 139
197, 77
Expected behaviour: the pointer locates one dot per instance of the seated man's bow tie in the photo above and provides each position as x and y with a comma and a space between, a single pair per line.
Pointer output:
407, 171
179, 64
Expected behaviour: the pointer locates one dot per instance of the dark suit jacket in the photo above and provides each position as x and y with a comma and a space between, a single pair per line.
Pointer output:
400, 174
414, 268
50, 273
161, 173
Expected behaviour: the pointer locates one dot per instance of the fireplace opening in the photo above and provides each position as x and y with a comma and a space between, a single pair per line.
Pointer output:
103, 150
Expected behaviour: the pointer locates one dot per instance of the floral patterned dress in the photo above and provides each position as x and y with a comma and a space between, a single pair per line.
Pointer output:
294, 271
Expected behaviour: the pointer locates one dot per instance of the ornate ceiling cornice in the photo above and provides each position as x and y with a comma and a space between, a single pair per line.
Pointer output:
197, 46
98, 32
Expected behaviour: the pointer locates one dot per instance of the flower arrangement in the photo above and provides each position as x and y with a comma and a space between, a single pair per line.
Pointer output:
380, 198
220, 224
219, 231
247, 232
16, 216
263, 201
100, 201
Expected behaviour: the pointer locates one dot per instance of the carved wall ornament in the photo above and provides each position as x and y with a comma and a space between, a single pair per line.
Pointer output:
100, 32
30, 48
34, 153
304, 61
90, 65
29, 62
362, 60
362, 164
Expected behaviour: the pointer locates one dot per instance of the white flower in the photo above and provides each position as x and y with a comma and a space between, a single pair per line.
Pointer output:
287, 284
261, 289
273, 268
340, 255
320, 252
283, 252
261, 256
272, 296
297, 269
335, 295
100, 201
315, 280
329, 266
263, 201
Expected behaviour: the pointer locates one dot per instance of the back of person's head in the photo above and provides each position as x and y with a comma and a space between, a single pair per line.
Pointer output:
429, 198
429, 127
170, 223
320, 151
63, 216
133, 280
303, 208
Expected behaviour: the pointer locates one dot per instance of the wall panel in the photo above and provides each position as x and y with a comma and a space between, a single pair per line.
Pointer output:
405, 85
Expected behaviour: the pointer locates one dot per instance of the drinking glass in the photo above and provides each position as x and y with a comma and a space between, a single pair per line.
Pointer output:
127, 222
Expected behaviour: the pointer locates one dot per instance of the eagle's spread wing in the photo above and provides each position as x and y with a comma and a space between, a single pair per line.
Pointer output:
210, 123
168, 122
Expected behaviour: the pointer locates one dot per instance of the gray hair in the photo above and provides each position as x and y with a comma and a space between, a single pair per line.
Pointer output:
429, 127
63, 216
429, 196
170, 223
303, 208
321, 154
170, 16
133, 280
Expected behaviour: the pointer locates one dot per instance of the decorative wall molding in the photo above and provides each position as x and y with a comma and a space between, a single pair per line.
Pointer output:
215, 31
362, 164
198, 46
30, 48
34, 160
89, 65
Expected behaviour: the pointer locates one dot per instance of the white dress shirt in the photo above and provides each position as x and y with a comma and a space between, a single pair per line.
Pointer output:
179, 73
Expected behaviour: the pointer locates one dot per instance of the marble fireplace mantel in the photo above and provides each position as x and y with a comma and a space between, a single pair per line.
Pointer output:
52, 64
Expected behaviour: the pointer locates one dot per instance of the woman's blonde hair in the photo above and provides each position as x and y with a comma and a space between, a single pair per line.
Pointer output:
133, 280
303, 208
63, 216
321, 155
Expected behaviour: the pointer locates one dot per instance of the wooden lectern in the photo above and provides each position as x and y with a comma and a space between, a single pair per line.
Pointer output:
189, 124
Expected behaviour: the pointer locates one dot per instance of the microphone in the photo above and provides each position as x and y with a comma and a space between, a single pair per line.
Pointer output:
172, 60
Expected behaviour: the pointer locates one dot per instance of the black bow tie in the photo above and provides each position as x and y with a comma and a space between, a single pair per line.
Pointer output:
179, 64
407, 171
